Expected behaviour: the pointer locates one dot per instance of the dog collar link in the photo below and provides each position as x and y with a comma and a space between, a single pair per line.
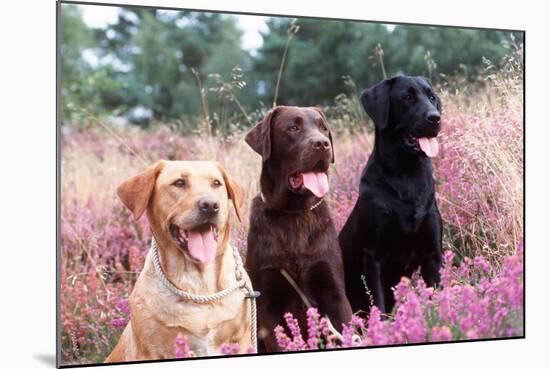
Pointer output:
310, 208
205, 299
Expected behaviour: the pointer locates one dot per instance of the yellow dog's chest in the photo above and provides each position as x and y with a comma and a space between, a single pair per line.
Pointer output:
205, 326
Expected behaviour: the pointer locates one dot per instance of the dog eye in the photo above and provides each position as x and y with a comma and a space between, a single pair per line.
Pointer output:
294, 128
180, 183
408, 97
431, 97
216, 183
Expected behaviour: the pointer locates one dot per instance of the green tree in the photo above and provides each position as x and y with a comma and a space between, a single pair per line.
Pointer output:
323, 51
147, 58
165, 49
82, 85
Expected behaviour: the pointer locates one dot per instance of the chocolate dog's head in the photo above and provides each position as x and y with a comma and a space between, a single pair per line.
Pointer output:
407, 110
296, 148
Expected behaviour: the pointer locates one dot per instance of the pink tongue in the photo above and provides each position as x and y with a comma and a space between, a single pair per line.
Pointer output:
429, 145
202, 245
317, 183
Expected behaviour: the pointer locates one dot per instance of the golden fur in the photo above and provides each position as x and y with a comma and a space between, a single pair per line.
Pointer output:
158, 315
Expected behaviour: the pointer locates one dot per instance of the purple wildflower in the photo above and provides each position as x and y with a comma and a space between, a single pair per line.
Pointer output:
230, 349
181, 348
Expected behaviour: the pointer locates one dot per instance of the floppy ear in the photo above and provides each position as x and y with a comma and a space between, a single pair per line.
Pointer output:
234, 191
259, 137
331, 145
136, 191
329, 133
438, 100
376, 102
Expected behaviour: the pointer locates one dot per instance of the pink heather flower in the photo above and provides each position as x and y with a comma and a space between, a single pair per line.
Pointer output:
355, 326
447, 269
297, 342
480, 315
464, 269
472, 334
401, 290
282, 339
313, 329
440, 334
467, 299
377, 329
325, 332
512, 280
123, 306
481, 264
181, 348
292, 324
92, 281
230, 349
498, 317
135, 258
446, 310
425, 293
409, 325
119, 322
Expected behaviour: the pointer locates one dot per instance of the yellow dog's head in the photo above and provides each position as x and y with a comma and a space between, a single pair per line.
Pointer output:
187, 200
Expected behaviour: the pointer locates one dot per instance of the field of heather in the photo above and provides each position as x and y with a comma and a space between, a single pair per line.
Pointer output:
479, 176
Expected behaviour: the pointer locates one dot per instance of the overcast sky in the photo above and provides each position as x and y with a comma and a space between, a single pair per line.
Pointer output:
99, 16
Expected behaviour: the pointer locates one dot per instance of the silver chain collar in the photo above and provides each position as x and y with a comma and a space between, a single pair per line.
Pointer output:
204, 299
310, 208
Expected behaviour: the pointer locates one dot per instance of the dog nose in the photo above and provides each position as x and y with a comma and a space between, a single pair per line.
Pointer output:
433, 117
320, 143
209, 206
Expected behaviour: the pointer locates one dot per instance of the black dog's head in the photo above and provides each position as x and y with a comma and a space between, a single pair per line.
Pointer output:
406, 109
296, 147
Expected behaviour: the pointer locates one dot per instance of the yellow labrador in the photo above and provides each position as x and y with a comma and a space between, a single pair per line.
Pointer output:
187, 204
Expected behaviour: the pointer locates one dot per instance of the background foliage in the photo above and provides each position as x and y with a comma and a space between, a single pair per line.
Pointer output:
155, 61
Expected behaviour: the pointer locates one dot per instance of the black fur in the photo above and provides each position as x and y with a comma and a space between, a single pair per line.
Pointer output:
395, 226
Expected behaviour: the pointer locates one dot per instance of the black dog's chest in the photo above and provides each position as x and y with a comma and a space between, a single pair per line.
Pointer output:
400, 214
409, 216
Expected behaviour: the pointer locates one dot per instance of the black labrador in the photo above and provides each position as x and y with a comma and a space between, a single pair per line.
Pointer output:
395, 226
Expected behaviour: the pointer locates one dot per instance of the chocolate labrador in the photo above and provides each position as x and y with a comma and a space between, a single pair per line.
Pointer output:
292, 239
395, 226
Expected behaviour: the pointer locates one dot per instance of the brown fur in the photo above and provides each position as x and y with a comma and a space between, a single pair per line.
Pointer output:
158, 315
284, 233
